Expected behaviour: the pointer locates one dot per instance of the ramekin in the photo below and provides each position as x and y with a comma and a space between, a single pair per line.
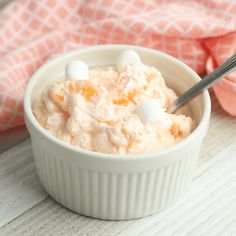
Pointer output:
116, 187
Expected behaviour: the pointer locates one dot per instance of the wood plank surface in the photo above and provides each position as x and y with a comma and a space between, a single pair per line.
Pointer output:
49, 218
20, 189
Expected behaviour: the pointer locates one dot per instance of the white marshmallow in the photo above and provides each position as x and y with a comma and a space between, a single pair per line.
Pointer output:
76, 70
127, 57
151, 111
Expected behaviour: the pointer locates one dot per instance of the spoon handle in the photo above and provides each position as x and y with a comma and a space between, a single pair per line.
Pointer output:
227, 67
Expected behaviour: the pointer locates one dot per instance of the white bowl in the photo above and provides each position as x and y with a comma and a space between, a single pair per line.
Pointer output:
116, 187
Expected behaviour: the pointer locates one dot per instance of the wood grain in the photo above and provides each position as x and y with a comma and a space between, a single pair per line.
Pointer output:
20, 189
49, 218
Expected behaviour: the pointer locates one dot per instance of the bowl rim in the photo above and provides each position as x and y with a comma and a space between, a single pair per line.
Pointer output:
29, 114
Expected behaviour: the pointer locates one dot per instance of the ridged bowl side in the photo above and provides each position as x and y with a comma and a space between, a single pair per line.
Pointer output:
113, 196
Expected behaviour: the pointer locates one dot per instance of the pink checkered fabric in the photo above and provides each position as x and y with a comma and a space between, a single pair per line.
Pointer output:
202, 33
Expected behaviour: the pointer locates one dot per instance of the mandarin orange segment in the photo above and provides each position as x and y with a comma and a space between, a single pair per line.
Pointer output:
108, 122
175, 131
88, 92
59, 98
126, 99
121, 101
132, 94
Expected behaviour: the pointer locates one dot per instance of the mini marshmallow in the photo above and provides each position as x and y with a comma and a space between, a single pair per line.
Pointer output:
76, 70
151, 111
127, 57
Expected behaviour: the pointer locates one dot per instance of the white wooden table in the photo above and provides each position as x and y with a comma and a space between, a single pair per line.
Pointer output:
26, 209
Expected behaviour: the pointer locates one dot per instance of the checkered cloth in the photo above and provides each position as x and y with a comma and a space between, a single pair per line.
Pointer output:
202, 33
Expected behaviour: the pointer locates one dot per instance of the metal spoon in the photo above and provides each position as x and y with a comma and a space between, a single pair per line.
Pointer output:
209, 80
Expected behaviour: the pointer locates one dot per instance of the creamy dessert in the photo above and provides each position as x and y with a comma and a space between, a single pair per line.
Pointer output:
113, 109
